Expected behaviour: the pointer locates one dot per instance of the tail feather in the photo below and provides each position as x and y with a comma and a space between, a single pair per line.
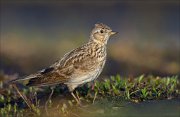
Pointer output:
23, 79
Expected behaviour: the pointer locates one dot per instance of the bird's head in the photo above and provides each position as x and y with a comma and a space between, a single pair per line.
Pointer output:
101, 33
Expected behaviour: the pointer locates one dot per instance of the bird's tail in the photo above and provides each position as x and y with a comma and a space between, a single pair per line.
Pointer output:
25, 80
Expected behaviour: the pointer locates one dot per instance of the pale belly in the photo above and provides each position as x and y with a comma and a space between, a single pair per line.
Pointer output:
78, 79
84, 78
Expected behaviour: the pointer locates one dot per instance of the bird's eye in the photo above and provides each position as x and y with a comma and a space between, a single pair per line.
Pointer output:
101, 31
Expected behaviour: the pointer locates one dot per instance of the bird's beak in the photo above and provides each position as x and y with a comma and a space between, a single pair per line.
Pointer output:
113, 32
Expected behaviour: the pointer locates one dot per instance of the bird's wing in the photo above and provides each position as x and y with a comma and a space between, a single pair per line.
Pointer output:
61, 71
80, 59
48, 78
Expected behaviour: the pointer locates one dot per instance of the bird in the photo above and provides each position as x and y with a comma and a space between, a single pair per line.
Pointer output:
77, 67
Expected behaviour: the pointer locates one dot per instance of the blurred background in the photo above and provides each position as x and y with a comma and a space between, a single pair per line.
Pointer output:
34, 34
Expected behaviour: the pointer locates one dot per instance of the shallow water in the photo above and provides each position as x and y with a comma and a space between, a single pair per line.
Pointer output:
107, 108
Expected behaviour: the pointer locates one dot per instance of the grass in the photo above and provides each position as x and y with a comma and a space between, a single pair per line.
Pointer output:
134, 90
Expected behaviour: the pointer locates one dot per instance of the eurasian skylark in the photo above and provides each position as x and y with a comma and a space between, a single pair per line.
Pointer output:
79, 66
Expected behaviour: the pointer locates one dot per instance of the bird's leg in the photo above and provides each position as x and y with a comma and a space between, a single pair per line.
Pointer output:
49, 98
93, 85
52, 91
77, 95
77, 100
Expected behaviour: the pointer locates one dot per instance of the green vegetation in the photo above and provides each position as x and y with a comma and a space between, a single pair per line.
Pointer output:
134, 90
139, 89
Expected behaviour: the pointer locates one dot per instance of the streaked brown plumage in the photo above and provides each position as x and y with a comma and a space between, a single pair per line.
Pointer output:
79, 66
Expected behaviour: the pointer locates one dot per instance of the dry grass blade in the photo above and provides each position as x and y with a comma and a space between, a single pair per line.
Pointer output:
23, 97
